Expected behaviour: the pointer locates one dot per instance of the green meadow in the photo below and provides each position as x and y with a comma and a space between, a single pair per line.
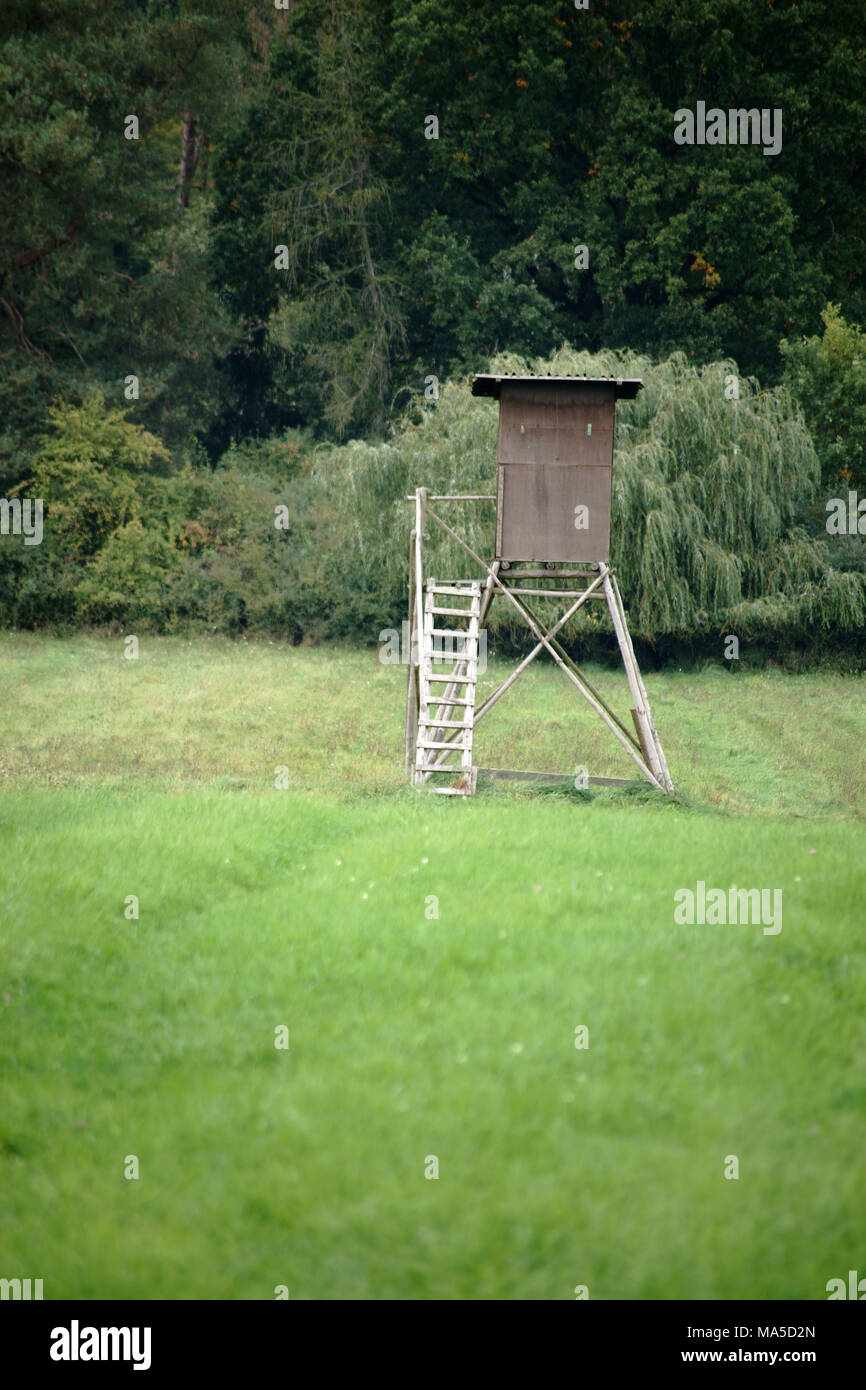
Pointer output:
429, 960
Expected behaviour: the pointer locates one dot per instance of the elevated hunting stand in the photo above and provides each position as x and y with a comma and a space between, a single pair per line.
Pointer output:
553, 490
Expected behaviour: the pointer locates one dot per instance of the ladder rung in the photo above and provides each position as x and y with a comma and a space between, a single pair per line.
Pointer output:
448, 758
441, 745
453, 768
443, 700
445, 648
436, 765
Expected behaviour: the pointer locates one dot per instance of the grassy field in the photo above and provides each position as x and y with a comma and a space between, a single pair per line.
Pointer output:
431, 959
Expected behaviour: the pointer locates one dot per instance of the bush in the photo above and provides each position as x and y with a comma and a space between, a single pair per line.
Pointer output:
86, 472
128, 581
827, 374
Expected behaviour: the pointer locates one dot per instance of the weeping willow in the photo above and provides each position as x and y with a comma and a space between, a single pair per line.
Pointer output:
709, 520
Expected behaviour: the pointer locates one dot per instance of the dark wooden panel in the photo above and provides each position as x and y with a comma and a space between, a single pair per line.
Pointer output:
547, 393
565, 429
536, 513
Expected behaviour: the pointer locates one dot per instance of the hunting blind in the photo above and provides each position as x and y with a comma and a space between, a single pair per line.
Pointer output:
552, 540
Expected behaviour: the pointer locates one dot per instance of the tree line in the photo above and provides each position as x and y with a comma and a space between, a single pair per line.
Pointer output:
255, 231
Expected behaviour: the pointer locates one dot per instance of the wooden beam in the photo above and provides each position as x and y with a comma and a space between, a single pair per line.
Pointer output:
491, 701
577, 573
549, 593
502, 774
576, 669
411, 672
651, 728
636, 686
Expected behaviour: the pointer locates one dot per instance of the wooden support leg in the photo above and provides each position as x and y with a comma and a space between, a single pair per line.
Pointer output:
411, 671
649, 739
666, 776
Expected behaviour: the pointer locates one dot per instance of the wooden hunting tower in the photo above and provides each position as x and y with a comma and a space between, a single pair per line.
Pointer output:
553, 478
553, 494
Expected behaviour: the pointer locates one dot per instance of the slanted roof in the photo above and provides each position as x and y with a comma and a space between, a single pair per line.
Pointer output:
627, 387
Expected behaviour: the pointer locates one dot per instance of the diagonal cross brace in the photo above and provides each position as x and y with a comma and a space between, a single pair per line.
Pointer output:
491, 701
588, 683
537, 633
449, 743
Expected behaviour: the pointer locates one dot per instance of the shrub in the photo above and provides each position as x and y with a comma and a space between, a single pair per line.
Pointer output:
828, 376
86, 471
128, 580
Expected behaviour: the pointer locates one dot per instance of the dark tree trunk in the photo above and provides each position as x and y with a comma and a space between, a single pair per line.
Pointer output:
202, 147
188, 159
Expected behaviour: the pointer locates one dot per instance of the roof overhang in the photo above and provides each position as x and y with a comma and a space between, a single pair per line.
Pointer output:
625, 387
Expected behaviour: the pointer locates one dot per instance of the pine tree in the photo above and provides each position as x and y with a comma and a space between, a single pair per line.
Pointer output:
337, 312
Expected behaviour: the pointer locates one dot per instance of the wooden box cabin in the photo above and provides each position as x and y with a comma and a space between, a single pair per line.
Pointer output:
555, 457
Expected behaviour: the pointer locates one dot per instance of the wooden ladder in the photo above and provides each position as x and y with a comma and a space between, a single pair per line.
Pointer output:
438, 739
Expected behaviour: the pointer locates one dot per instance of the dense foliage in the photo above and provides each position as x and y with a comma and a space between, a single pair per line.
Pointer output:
233, 237
712, 520
305, 127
